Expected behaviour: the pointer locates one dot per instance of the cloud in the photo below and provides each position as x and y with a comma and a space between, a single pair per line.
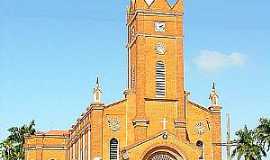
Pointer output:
214, 61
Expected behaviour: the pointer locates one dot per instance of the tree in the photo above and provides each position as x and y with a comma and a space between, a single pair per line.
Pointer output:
263, 133
6, 148
248, 146
12, 147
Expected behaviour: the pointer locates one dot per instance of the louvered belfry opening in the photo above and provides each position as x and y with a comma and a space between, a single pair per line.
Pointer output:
114, 149
160, 79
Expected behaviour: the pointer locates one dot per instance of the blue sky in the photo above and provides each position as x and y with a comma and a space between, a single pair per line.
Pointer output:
51, 52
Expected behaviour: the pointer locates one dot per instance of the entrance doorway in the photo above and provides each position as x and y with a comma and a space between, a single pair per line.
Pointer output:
163, 153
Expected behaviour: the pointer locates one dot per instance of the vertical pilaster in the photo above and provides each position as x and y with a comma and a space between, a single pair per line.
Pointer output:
39, 149
216, 133
77, 149
96, 130
70, 151
140, 122
89, 143
39, 153
182, 96
140, 79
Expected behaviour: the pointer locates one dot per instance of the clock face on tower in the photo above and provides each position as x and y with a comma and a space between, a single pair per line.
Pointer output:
160, 26
160, 48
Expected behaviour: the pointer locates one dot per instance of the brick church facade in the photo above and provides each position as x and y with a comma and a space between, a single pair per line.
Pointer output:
155, 120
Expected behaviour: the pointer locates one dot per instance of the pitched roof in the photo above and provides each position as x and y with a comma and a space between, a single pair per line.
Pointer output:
56, 133
199, 106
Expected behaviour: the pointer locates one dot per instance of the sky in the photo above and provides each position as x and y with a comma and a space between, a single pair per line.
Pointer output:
51, 52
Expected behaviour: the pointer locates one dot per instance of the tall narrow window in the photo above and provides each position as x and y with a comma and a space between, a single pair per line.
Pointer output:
114, 149
160, 79
81, 155
73, 151
133, 78
83, 143
199, 144
89, 144
78, 149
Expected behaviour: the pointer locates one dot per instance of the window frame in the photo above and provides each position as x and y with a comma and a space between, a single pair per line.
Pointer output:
160, 79
118, 146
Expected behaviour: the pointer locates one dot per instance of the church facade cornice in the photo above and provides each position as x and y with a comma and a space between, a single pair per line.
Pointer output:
130, 44
152, 13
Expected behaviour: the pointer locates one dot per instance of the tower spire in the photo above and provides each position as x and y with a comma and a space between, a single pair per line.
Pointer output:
97, 82
214, 96
97, 93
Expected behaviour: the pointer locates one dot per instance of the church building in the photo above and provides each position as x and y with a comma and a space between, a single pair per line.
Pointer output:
156, 120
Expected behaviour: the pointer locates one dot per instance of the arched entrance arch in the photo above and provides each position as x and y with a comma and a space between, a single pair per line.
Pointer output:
163, 153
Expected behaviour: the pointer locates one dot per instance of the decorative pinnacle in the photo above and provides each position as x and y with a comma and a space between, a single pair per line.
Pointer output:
214, 86
165, 5
97, 83
214, 96
97, 93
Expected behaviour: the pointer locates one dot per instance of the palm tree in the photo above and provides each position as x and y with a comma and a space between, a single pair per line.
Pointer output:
12, 147
263, 133
6, 148
247, 146
17, 133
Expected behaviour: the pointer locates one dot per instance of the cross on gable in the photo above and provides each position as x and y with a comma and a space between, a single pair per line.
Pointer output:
164, 123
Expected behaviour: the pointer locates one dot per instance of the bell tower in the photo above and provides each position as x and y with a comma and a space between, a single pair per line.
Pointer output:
155, 57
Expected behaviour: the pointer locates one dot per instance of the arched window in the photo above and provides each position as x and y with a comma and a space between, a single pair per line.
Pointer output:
114, 149
199, 144
160, 79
